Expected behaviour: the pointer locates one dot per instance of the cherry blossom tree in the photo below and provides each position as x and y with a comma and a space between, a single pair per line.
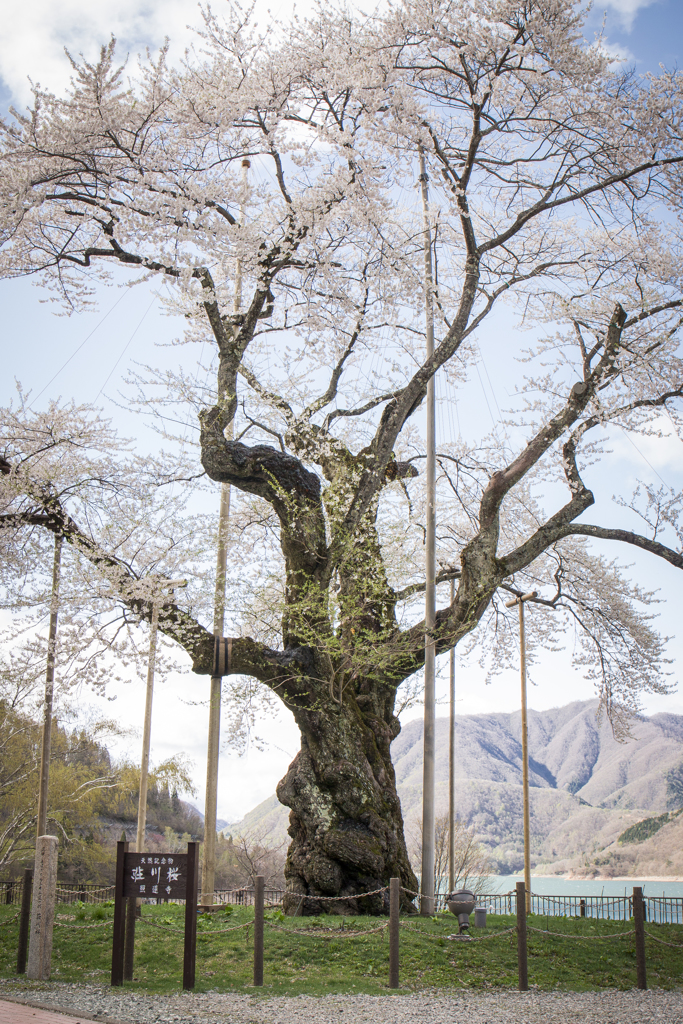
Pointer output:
555, 184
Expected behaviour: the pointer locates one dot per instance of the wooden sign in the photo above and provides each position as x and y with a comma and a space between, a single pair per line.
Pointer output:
155, 876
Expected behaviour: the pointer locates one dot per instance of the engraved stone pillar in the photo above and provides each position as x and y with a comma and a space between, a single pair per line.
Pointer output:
43, 909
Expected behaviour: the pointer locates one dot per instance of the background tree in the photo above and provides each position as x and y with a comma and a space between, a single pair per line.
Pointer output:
91, 795
472, 865
81, 770
555, 183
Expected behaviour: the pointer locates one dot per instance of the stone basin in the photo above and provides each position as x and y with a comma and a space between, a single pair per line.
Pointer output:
461, 903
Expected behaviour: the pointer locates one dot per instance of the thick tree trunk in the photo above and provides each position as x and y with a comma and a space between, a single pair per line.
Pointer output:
345, 822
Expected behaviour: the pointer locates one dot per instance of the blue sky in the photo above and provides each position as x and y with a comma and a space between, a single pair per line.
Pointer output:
652, 32
87, 356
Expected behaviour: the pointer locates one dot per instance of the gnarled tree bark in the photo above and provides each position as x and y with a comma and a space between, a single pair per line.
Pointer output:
345, 822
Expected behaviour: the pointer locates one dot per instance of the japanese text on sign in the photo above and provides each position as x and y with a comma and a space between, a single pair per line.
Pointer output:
155, 876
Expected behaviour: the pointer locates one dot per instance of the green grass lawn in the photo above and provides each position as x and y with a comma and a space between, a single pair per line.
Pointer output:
317, 956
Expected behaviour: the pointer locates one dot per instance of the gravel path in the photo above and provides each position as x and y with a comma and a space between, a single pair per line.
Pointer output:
501, 1007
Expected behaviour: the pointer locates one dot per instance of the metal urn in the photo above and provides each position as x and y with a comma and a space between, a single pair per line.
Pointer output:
461, 903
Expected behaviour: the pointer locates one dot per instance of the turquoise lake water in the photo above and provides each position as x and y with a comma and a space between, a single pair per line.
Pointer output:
554, 886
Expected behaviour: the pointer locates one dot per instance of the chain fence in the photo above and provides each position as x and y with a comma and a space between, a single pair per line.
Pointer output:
580, 938
328, 933
481, 938
101, 894
674, 945
392, 897
201, 934
70, 924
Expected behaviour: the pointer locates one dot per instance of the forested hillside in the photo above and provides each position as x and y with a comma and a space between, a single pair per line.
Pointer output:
92, 797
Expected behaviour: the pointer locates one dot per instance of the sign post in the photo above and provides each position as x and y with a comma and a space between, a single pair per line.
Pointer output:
191, 885
160, 877
119, 917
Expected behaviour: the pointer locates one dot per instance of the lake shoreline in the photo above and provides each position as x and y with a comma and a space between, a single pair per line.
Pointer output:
613, 878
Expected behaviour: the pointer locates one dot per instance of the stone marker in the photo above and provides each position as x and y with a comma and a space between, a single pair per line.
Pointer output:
43, 909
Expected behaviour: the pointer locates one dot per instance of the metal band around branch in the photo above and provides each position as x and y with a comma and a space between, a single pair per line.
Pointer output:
222, 656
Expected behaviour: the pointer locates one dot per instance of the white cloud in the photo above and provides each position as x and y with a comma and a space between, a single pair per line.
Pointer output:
36, 32
626, 10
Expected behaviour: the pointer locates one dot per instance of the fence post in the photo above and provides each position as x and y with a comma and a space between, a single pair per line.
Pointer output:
258, 929
394, 908
521, 938
639, 925
119, 918
24, 918
190, 949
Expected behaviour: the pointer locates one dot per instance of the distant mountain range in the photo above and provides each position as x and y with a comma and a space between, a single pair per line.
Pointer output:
221, 823
586, 789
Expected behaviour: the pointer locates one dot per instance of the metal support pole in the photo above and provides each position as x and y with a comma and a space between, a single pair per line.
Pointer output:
41, 825
213, 745
215, 698
427, 903
525, 761
147, 729
259, 883
519, 601
522, 967
394, 910
132, 903
211, 801
129, 911
639, 925
451, 762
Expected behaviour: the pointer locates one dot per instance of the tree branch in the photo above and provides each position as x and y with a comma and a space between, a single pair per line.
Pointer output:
674, 558
138, 593
443, 576
542, 206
